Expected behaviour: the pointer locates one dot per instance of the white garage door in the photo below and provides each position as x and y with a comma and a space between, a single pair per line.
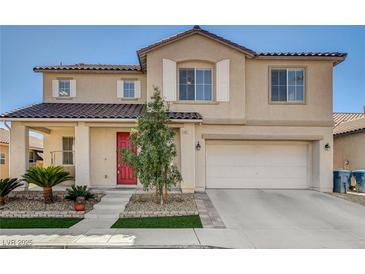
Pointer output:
257, 164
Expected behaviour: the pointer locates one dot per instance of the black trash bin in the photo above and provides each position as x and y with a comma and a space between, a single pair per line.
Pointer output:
360, 179
341, 180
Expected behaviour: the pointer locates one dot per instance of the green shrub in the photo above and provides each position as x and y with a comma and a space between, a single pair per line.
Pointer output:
7, 185
46, 177
78, 191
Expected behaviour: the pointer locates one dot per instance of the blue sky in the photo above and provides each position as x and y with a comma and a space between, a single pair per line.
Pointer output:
23, 47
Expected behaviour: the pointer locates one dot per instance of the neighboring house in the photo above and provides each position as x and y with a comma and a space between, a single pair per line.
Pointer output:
35, 152
243, 119
349, 141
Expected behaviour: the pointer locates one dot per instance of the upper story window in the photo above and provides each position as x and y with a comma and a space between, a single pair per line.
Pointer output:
195, 84
129, 89
287, 85
64, 88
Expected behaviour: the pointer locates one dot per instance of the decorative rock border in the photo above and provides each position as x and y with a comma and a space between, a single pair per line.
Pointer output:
38, 196
41, 214
35, 194
138, 214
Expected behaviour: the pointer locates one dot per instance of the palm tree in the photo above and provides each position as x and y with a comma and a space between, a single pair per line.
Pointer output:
46, 178
6, 186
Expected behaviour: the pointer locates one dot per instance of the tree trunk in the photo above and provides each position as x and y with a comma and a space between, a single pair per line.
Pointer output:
2, 200
161, 196
48, 195
165, 196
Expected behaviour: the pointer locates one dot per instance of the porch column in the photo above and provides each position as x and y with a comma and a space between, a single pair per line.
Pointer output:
82, 155
19, 139
187, 140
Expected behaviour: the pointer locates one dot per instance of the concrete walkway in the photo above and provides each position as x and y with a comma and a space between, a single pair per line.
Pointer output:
105, 213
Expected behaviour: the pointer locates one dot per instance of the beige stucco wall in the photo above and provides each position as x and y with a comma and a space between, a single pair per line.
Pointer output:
249, 85
4, 169
197, 49
349, 148
318, 93
93, 87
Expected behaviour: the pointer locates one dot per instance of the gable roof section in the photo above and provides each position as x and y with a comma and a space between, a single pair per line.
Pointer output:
195, 30
341, 117
90, 111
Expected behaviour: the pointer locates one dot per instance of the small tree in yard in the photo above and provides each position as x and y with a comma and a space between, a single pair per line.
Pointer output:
154, 140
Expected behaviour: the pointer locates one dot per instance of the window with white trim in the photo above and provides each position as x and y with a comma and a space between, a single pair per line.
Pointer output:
68, 150
195, 84
64, 88
129, 89
2, 158
287, 85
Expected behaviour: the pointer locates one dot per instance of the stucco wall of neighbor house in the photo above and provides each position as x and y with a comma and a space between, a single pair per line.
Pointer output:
93, 87
4, 169
198, 49
350, 148
321, 160
317, 109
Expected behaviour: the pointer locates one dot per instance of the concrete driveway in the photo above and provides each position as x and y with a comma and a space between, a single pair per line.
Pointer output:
286, 219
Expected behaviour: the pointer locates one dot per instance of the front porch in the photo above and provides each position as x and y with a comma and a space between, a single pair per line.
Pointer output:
89, 150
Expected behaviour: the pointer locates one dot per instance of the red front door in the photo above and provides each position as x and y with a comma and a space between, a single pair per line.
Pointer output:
125, 174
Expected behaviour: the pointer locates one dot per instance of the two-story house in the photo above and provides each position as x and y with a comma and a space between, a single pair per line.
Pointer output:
243, 119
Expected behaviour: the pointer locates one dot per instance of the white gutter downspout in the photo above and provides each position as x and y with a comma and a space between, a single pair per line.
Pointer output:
6, 125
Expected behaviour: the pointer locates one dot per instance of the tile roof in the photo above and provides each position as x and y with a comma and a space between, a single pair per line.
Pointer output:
4, 136
90, 111
89, 67
305, 54
348, 127
33, 141
340, 117
341, 56
142, 54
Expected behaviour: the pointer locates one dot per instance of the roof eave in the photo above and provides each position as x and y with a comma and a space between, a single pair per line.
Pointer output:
362, 130
126, 120
335, 59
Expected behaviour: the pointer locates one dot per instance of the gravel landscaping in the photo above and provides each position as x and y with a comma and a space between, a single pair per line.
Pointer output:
355, 198
33, 201
144, 205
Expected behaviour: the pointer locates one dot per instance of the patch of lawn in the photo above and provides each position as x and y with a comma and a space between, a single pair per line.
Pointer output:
38, 222
192, 221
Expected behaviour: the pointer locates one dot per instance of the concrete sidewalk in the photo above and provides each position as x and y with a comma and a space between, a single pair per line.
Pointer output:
122, 238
